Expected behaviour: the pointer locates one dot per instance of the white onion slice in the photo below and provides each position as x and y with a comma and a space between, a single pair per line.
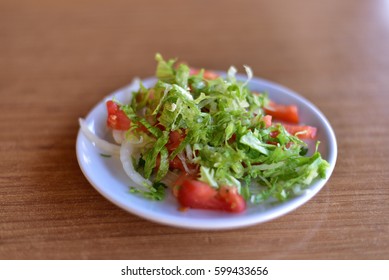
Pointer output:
249, 74
189, 152
183, 160
118, 135
103, 145
126, 150
231, 73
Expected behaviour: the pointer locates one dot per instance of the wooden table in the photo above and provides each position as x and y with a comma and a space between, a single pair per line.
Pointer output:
59, 58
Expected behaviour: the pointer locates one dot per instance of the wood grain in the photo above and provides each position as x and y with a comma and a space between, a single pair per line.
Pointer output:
59, 58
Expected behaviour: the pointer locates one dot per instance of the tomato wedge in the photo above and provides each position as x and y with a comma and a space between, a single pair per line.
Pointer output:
199, 195
117, 119
301, 131
267, 120
288, 113
175, 139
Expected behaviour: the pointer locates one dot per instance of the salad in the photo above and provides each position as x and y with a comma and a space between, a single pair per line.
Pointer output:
210, 140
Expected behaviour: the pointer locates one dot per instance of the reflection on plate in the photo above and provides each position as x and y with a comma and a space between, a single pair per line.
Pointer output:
107, 176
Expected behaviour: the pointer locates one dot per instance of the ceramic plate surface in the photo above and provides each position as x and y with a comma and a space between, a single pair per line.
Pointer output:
106, 175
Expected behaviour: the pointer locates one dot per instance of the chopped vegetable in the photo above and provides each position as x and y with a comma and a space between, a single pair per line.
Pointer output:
197, 194
218, 137
117, 119
288, 113
301, 131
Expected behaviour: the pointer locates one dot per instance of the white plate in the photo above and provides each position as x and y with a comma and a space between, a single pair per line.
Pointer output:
107, 176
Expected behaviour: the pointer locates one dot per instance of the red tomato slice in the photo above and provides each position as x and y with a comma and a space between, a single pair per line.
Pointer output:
181, 179
288, 113
199, 195
304, 131
234, 201
196, 194
267, 119
117, 119
175, 139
